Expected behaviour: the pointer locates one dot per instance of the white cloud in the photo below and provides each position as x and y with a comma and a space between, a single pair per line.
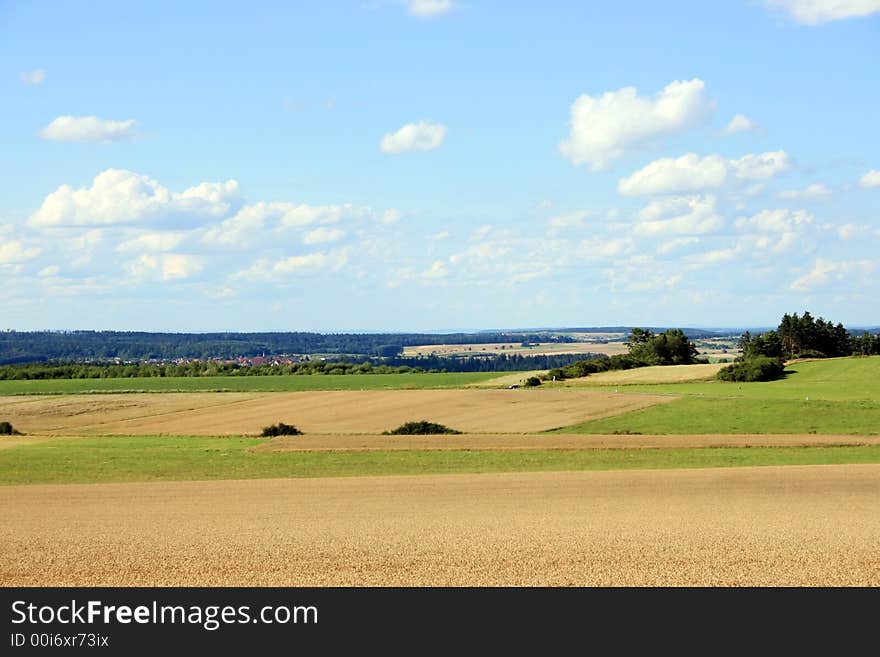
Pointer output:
16, 251
816, 191
675, 175
49, 272
436, 270
762, 166
775, 221
827, 271
692, 173
249, 224
152, 242
166, 266
391, 216
88, 129
568, 221
414, 137
711, 257
688, 215
740, 123
870, 179
310, 264
322, 235
32, 78
598, 247
606, 127
118, 196
816, 12
481, 233
442, 235
675, 244
428, 8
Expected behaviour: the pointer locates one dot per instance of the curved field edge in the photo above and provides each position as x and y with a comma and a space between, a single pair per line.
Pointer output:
269, 383
695, 415
133, 459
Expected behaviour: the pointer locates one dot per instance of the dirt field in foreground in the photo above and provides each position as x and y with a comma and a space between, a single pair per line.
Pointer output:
329, 442
734, 526
362, 411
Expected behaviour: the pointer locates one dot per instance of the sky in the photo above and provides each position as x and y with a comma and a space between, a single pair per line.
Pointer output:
430, 165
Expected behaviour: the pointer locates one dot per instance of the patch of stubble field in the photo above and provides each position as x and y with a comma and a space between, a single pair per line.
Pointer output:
743, 526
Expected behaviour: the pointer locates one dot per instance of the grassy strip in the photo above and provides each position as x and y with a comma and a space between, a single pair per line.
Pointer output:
834, 379
159, 458
292, 383
692, 415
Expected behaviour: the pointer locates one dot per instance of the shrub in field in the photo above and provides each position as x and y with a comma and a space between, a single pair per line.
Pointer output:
420, 428
532, 381
7, 429
280, 429
758, 368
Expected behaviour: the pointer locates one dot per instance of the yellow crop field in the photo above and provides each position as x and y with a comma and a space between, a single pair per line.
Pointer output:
788, 526
362, 411
647, 375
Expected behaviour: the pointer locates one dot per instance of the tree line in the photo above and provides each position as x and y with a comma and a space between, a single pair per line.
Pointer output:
501, 363
43, 346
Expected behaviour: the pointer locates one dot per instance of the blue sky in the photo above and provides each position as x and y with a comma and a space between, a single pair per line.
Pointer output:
437, 164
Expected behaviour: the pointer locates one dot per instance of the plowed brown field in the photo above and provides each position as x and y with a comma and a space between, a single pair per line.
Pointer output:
735, 526
363, 411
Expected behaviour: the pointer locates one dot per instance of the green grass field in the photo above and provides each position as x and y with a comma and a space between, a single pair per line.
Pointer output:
834, 379
152, 458
835, 396
291, 383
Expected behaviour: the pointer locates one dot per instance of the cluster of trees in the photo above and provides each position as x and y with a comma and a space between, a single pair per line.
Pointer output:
803, 336
756, 368
807, 337
671, 347
42, 346
501, 363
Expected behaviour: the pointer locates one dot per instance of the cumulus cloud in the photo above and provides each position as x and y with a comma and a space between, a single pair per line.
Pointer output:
428, 8
88, 129
322, 235
32, 78
775, 221
310, 264
870, 179
693, 173
740, 123
687, 215
436, 270
816, 12
165, 267
117, 196
152, 242
604, 128
49, 272
251, 221
825, 271
669, 246
814, 192
414, 137
391, 216
16, 251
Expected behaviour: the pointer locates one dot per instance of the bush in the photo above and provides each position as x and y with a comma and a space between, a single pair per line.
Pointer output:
7, 429
422, 427
280, 429
758, 368
532, 381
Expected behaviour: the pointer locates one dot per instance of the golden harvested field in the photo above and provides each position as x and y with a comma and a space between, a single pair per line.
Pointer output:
348, 442
656, 374
494, 348
362, 411
788, 526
